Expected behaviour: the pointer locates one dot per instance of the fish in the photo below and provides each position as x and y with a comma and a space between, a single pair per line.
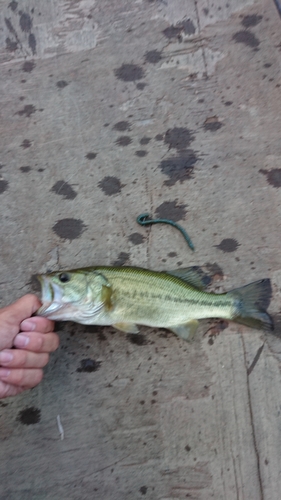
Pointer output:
125, 297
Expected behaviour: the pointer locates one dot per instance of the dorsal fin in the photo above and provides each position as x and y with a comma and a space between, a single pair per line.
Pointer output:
193, 276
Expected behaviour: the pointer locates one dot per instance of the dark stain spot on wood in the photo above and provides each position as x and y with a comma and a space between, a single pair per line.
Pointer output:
102, 337
187, 448
216, 329
267, 65
172, 254
228, 245
165, 334
137, 338
64, 189
228, 103
140, 86
11, 28
22, 98
26, 143
91, 328
188, 27
11, 45
145, 140
172, 31
129, 72
143, 490
34, 283
25, 169
27, 111
136, 238
123, 140
122, 126
3, 186
110, 185
32, 43
179, 168
69, 229
247, 38
273, 176
171, 210
28, 66
88, 366
153, 56
251, 20
178, 138
91, 155
141, 153
206, 11
13, 5
212, 124
40, 170
159, 137
215, 271
29, 416
25, 22
122, 258
61, 84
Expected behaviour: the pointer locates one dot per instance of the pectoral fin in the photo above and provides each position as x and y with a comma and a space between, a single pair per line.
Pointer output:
106, 297
186, 331
126, 327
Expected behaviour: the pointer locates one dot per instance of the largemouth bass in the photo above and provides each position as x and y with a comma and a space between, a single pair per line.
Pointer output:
129, 296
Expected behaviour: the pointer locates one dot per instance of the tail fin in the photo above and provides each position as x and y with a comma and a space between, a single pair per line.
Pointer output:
251, 302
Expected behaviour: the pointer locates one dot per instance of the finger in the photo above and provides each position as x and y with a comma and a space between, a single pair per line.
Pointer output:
7, 390
18, 358
36, 341
21, 309
29, 377
37, 324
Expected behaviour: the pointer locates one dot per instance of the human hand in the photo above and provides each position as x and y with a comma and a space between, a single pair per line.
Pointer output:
32, 339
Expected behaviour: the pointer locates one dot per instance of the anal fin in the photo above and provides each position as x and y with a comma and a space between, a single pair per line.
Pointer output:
126, 327
187, 330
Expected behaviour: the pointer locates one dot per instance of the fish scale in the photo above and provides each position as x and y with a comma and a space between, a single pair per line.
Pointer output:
177, 300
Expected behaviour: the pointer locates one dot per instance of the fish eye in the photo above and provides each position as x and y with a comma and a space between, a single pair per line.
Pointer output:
64, 277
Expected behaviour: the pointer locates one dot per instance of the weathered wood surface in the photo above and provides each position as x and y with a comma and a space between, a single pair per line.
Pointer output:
89, 91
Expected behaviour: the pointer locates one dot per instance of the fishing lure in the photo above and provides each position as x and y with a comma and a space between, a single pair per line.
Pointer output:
145, 220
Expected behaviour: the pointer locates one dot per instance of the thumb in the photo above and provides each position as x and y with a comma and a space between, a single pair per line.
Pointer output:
21, 309
12, 315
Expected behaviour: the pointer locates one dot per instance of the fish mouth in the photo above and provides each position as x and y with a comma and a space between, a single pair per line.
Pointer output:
51, 297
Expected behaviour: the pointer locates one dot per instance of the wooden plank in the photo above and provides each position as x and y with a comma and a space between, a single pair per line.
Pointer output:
129, 107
